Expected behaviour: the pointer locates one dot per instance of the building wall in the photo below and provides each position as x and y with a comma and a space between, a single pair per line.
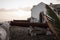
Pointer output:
37, 9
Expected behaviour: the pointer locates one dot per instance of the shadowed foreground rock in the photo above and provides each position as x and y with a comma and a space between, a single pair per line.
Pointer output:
21, 33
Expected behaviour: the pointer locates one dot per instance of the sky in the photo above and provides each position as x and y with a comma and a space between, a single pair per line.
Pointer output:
19, 9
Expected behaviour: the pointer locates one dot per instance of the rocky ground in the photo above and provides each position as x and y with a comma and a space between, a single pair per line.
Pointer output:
21, 33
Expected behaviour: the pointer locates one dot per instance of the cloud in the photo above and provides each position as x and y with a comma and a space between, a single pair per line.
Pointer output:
25, 9
16, 9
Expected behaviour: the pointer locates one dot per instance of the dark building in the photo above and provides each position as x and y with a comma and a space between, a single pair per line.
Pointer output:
56, 8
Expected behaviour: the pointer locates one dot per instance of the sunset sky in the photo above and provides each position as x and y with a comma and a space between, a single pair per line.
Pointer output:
19, 9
